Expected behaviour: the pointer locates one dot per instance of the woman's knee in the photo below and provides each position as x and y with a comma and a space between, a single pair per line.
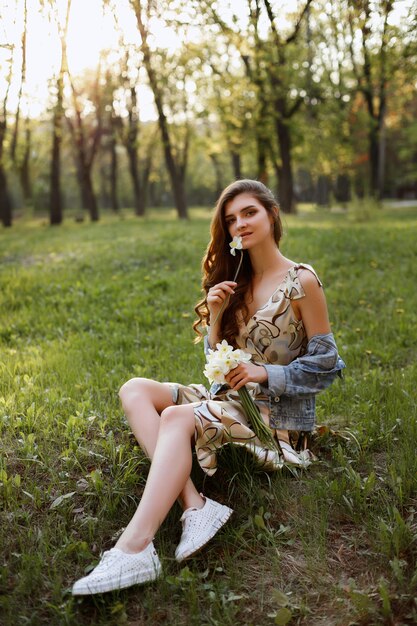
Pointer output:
136, 390
177, 415
131, 389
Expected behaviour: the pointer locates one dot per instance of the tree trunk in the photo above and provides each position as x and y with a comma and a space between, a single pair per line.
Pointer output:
89, 197
130, 141
177, 179
145, 181
113, 176
376, 141
236, 164
13, 144
382, 144
322, 191
24, 170
342, 189
262, 137
147, 171
373, 139
286, 191
178, 190
5, 202
175, 174
262, 162
138, 196
217, 173
55, 196
84, 162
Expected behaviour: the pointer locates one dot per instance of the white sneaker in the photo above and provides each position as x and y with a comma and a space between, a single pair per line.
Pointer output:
268, 460
199, 526
118, 569
300, 459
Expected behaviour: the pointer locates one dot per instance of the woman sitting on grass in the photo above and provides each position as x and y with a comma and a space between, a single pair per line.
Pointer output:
277, 312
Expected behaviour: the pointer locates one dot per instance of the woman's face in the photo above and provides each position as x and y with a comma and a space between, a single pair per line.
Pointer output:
246, 217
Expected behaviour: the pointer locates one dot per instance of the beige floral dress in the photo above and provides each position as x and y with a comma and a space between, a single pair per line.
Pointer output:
272, 335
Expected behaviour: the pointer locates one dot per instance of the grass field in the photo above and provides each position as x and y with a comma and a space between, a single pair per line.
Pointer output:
85, 307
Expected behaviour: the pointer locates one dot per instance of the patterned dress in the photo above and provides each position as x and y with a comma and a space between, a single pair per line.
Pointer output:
272, 335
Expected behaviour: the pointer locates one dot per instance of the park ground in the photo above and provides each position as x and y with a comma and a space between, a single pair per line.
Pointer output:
84, 307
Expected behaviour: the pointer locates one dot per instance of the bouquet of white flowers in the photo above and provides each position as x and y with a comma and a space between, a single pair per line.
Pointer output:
219, 363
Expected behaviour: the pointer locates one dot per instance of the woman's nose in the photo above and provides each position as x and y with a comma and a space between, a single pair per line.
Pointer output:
241, 223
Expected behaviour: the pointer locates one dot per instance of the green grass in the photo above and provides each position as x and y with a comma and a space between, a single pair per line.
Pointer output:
85, 307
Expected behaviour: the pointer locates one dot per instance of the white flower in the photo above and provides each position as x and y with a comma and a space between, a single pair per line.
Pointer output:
235, 244
241, 356
223, 348
216, 370
221, 361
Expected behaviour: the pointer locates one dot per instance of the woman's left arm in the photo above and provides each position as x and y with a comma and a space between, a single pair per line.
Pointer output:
315, 370
312, 308
309, 373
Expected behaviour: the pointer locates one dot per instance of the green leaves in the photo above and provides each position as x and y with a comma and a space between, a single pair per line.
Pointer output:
284, 614
58, 501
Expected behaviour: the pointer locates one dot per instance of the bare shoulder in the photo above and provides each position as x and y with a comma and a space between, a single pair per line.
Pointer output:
309, 281
312, 309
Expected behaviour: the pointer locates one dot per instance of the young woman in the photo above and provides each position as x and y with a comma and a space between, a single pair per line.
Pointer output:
276, 310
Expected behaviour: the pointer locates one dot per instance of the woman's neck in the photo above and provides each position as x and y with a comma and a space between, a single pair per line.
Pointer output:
267, 260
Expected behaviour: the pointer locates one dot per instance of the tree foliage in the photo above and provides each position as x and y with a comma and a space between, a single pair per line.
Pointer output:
311, 101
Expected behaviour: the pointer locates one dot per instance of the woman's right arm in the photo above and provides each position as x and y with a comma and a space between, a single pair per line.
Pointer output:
216, 300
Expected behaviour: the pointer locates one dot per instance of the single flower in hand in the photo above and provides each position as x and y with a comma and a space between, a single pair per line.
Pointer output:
235, 244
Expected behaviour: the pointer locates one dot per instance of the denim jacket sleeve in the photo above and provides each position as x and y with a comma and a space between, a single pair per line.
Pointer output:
206, 344
307, 374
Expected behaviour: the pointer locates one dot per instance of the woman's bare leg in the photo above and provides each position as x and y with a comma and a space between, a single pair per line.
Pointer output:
143, 401
283, 435
170, 470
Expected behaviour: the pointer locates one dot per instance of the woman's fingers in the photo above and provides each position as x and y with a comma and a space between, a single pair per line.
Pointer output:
217, 295
246, 373
237, 376
226, 287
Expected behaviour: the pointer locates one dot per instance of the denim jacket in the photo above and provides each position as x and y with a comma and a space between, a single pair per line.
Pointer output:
291, 389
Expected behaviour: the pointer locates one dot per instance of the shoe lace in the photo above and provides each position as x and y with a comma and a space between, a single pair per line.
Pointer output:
107, 558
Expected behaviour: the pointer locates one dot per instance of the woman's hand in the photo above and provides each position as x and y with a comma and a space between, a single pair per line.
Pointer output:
216, 297
246, 373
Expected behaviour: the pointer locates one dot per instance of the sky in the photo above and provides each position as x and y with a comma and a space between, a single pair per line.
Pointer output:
89, 32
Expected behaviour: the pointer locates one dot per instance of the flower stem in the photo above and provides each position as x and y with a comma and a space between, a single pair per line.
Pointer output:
259, 427
226, 300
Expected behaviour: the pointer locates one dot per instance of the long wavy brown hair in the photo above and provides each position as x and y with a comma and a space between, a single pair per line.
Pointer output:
219, 265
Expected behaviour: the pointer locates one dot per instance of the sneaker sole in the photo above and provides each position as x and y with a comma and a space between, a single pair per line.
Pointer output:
206, 538
122, 583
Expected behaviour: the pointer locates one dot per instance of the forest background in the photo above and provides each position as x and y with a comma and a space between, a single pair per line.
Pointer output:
132, 104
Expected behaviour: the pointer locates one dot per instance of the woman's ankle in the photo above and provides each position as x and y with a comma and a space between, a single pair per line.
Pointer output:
283, 435
132, 545
192, 501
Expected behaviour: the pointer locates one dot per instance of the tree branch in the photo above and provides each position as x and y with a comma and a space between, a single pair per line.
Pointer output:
297, 27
